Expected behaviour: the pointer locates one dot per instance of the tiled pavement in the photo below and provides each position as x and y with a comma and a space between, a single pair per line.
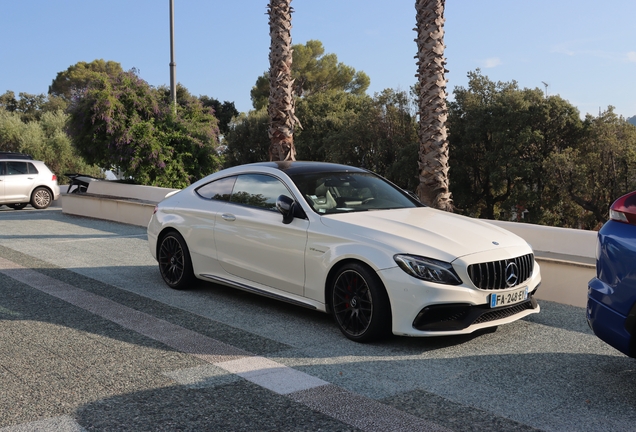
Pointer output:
91, 339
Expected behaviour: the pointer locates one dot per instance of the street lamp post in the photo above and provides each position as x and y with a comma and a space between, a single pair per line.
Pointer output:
173, 65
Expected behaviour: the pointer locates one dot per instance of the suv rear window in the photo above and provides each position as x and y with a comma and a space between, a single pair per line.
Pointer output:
17, 168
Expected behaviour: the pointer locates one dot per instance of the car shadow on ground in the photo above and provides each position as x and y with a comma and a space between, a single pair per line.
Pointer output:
587, 398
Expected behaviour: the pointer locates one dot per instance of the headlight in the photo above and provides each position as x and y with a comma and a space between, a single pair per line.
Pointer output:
428, 269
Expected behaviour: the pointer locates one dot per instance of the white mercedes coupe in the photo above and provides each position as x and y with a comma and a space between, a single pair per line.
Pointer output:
345, 241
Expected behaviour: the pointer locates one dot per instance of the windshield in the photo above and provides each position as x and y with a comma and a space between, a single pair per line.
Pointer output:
342, 192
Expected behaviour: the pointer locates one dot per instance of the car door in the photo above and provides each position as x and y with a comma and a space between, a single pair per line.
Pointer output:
2, 176
251, 240
18, 181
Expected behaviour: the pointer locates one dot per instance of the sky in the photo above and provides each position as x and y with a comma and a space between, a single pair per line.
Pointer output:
584, 50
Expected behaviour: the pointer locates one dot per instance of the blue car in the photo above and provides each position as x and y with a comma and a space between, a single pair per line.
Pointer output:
611, 303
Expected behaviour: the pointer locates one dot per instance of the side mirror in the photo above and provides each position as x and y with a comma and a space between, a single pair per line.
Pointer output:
286, 206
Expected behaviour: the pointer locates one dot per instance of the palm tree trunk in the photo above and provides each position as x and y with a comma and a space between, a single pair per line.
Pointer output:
282, 118
433, 154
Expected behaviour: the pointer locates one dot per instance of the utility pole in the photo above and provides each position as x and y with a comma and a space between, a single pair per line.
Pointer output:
173, 65
546, 88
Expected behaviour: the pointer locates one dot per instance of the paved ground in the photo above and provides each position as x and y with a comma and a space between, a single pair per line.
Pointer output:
91, 339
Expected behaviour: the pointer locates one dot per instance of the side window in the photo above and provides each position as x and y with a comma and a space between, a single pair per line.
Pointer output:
217, 190
17, 168
3, 168
32, 169
258, 190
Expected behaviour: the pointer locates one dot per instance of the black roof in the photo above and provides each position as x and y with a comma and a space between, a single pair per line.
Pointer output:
13, 155
306, 167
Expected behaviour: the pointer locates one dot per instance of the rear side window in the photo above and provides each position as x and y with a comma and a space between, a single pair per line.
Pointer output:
217, 190
32, 168
17, 168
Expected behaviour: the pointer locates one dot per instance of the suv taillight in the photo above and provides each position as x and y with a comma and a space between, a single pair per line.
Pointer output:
54, 178
624, 209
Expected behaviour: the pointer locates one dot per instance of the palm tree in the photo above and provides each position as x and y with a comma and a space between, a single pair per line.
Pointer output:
433, 154
282, 118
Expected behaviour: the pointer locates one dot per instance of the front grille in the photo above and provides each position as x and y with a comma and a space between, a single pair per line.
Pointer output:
502, 274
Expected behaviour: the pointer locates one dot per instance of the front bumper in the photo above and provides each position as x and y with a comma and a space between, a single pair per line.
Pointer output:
420, 308
454, 317
606, 323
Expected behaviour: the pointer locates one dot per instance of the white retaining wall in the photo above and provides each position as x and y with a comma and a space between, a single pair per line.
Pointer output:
565, 255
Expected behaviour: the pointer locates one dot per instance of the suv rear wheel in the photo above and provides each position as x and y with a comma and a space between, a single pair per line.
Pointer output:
41, 198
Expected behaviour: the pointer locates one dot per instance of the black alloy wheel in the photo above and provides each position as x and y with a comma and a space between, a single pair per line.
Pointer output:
18, 206
41, 198
360, 304
174, 261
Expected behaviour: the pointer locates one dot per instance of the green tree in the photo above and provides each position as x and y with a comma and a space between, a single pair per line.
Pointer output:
326, 116
246, 140
224, 112
433, 155
30, 107
121, 121
600, 169
8, 101
500, 138
75, 79
11, 127
314, 71
376, 133
552, 125
45, 140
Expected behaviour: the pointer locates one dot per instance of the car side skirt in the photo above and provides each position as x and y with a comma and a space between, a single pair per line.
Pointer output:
254, 290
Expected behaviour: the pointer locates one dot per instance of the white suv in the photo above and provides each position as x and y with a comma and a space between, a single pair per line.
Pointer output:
24, 180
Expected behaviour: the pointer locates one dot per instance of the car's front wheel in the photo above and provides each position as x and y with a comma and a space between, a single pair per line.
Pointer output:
360, 304
174, 261
41, 198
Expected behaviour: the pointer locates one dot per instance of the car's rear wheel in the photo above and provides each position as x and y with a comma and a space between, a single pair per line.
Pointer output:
174, 261
360, 304
18, 206
41, 198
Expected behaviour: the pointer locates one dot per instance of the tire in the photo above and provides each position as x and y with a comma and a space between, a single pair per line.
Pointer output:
175, 264
41, 198
18, 206
359, 303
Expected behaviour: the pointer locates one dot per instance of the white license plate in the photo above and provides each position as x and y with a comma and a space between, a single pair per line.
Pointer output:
508, 297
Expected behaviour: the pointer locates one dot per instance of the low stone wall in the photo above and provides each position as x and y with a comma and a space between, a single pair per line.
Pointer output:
123, 190
554, 240
119, 202
125, 210
566, 256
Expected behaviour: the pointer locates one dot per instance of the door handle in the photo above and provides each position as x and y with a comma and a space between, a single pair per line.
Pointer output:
228, 217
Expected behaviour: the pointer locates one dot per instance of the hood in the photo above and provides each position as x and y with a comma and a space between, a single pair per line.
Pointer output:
425, 231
